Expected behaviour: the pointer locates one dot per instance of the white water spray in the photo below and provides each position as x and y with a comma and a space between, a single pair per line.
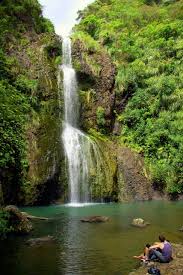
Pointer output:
83, 156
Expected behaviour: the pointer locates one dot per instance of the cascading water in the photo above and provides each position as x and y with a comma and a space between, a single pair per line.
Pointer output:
83, 156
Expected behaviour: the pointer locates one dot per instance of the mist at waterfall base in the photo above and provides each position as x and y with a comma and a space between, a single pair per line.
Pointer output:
82, 153
90, 249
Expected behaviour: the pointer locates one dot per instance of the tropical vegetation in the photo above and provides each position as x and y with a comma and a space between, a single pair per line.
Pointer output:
145, 41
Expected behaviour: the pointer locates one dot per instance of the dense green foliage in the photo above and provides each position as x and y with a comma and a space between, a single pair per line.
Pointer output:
100, 117
145, 41
12, 118
19, 16
5, 227
20, 22
21, 27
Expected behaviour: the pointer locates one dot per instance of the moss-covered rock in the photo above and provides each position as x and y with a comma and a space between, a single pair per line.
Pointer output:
139, 222
33, 172
133, 178
96, 73
19, 222
121, 175
41, 185
43, 129
103, 174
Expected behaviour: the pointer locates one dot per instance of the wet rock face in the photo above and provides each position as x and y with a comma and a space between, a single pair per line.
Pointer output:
20, 223
43, 134
133, 182
42, 182
96, 75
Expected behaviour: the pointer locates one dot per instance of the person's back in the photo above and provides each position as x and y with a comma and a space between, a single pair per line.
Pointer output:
167, 251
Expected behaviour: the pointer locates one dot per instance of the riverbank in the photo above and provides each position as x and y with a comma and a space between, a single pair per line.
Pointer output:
175, 267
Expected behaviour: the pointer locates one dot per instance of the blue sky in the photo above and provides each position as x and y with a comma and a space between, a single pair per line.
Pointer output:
63, 13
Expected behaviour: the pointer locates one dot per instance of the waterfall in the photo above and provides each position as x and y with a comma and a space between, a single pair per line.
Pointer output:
83, 155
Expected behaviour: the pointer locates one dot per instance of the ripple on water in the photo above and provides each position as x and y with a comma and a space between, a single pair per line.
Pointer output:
105, 248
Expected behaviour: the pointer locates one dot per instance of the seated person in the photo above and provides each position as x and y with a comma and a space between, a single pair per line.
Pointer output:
161, 251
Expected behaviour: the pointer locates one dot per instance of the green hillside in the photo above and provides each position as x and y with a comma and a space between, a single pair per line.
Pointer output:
145, 41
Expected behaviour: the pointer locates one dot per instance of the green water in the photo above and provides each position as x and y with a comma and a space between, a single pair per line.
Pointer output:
82, 248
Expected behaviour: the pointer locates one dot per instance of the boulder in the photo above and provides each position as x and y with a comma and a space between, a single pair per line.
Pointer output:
19, 222
95, 219
138, 222
40, 241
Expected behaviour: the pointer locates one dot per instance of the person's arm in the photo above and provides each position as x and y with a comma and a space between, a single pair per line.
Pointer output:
157, 245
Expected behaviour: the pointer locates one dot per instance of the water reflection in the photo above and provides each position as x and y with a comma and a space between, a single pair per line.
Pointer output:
82, 248
108, 248
82, 204
74, 248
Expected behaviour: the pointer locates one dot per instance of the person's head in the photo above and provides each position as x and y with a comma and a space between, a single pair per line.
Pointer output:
162, 238
148, 245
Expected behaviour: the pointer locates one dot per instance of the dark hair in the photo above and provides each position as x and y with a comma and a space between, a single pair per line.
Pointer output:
148, 245
162, 238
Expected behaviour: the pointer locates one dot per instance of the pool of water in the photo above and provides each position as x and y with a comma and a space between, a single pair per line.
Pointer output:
82, 248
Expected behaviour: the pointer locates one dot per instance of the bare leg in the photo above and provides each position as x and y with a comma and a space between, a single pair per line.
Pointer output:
143, 256
140, 257
146, 253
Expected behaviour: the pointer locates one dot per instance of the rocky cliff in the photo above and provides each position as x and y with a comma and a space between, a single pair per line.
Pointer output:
127, 178
31, 156
96, 78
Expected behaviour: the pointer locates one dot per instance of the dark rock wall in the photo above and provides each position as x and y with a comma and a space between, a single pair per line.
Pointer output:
96, 77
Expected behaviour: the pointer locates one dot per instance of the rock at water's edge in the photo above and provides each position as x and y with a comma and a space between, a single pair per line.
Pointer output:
40, 241
18, 220
139, 223
95, 219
